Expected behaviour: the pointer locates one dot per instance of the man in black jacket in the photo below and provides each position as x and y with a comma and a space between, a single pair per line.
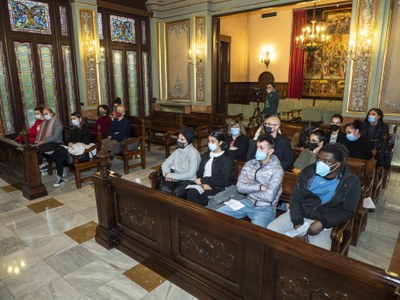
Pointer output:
326, 195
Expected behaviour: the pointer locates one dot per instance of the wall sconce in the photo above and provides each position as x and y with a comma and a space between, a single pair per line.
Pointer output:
91, 52
196, 55
265, 57
361, 48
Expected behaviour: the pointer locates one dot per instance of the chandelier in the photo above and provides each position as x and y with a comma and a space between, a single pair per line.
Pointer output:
313, 36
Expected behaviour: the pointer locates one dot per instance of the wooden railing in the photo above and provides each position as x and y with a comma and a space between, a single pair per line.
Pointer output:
215, 256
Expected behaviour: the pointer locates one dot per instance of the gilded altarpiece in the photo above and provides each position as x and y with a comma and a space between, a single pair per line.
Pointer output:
390, 93
200, 61
88, 34
177, 48
361, 68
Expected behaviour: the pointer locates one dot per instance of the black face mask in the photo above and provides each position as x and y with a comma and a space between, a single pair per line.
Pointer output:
267, 130
180, 144
335, 127
311, 146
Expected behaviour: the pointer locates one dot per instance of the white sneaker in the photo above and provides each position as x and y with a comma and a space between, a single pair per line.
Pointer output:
60, 181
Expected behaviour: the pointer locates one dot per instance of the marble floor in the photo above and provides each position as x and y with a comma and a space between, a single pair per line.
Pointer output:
47, 247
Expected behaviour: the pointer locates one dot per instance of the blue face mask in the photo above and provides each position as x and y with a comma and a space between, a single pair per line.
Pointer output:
371, 119
212, 147
351, 137
235, 131
47, 117
261, 155
322, 169
75, 122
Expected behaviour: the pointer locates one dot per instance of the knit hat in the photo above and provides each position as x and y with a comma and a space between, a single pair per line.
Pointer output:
188, 133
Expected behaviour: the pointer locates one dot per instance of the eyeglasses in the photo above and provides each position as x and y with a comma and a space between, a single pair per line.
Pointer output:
270, 124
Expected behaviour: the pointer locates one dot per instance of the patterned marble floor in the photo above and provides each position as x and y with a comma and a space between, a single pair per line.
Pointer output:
47, 249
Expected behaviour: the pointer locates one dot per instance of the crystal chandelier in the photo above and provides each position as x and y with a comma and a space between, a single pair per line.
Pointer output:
313, 36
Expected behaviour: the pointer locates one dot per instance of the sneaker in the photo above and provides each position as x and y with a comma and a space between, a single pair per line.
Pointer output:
60, 181
43, 167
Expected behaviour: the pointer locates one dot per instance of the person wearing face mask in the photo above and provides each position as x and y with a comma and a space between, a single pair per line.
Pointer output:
79, 133
377, 130
283, 149
326, 195
237, 140
103, 121
309, 154
260, 180
214, 171
33, 131
336, 135
180, 168
49, 136
359, 145
119, 130
271, 100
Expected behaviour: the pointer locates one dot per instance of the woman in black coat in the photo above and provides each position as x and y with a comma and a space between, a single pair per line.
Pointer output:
214, 172
236, 141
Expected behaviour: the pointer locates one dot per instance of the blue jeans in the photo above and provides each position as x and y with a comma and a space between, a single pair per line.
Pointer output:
259, 215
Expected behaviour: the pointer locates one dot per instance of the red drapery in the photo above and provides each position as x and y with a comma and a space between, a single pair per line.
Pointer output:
296, 65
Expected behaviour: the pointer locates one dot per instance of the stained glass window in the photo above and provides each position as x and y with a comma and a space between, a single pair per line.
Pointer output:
26, 80
5, 107
118, 73
48, 76
68, 75
63, 21
29, 16
144, 40
146, 83
100, 25
103, 82
132, 82
122, 29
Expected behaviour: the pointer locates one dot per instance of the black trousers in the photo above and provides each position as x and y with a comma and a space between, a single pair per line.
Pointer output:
202, 199
51, 146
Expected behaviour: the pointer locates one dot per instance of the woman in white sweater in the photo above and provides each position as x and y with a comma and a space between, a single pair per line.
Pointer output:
180, 168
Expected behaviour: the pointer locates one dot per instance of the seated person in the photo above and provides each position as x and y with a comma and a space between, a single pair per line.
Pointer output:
119, 130
117, 102
326, 195
33, 131
181, 166
261, 181
103, 121
237, 140
309, 154
359, 145
80, 133
301, 138
336, 135
283, 149
49, 136
214, 172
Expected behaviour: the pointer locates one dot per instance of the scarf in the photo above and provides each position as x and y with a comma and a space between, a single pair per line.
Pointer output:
46, 129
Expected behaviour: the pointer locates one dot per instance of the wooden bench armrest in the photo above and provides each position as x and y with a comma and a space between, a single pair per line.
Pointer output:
153, 176
129, 141
338, 231
88, 150
171, 132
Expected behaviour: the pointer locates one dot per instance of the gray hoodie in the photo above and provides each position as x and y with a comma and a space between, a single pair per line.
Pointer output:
254, 174
184, 162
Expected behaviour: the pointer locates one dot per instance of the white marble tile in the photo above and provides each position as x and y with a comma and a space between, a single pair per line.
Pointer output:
95, 248
70, 260
64, 218
90, 213
19, 218
5, 232
5, 293
34, 278
10, 202
18, 262
169, 291
92, 276
56, 290
119, 260
10, 245
121, 288
78, 200
53, 245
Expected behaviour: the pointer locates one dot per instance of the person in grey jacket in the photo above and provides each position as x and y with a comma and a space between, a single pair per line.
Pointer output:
180, 168
261, 180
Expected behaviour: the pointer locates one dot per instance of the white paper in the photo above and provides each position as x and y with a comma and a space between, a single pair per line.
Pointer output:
368, 203
196, 187
234, 204
302, 230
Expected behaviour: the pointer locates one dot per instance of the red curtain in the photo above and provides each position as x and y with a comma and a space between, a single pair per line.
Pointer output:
296, 64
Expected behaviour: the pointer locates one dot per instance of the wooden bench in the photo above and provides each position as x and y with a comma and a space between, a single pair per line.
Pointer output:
201, 124
214, 256
19, 166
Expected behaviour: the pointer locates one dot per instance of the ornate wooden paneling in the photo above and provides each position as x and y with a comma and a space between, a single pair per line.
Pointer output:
244, 92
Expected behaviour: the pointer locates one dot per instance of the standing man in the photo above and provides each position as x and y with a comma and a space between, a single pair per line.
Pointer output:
271, 100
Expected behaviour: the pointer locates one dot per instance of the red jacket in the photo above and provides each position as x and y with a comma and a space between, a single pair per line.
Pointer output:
33, 131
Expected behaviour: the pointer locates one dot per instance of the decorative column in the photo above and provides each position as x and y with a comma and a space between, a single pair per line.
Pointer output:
200, 72
84, 14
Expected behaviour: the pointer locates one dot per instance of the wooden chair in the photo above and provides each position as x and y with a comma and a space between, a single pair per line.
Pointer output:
201, 124
135, 146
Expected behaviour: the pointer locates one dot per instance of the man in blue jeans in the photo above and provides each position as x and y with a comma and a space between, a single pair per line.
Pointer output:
261, 181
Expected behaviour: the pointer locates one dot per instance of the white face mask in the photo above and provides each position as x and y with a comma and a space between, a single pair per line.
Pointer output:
47, 117
38, 116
